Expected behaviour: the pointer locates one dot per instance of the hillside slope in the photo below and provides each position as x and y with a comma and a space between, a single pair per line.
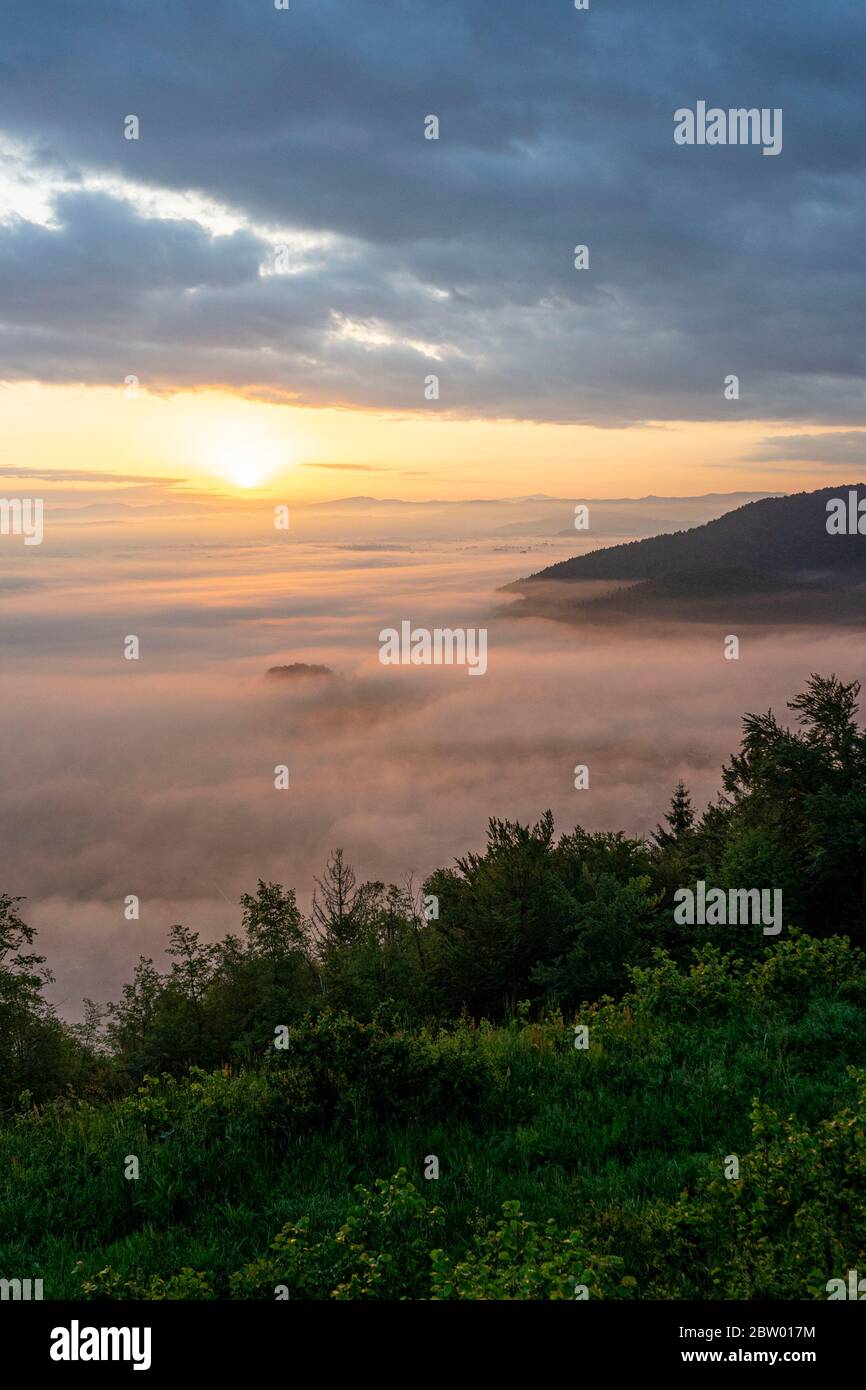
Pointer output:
777, 535
770, 561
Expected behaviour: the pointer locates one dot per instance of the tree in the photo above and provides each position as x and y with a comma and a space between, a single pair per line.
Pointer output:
29, 1057
827, 710
384, 959
498, 914
340, 908
274, 927
22, 972
192, 973
90, 1032
680, 817
805, 790
132, 1020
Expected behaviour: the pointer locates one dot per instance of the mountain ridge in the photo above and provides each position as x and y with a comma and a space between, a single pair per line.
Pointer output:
757, 561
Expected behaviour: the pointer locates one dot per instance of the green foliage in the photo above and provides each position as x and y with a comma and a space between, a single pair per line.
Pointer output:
496, 911
794, 1218
380, 1251
38, 1055
455, 1037
283, 1157
188, 1285
614, 925
520, 1259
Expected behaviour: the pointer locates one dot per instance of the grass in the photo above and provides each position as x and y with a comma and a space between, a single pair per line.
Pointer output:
606, 1141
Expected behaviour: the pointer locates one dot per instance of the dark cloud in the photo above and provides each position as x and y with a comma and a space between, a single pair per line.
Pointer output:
452, 256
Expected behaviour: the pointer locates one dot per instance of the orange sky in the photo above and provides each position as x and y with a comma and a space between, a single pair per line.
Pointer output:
212, 439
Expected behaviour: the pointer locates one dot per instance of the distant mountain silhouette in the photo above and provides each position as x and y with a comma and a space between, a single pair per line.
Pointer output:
771, 560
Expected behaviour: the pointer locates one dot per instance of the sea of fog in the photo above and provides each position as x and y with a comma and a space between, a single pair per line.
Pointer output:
155, 777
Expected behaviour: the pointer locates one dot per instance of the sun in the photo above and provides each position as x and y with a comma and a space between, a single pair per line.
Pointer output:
242, 447
245, 472
245, 454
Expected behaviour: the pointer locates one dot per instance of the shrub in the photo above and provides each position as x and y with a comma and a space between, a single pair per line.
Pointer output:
381, 1251
520, 1259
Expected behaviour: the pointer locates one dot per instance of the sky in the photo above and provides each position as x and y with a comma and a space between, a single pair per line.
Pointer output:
281, 259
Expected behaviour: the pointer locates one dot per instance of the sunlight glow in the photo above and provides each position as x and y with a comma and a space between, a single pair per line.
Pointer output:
242, 448
246, 473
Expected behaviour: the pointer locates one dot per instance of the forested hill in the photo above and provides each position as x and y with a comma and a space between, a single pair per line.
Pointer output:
774, 536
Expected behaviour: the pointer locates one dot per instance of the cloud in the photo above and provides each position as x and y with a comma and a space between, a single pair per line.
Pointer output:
455, 257
84, 475
352, 467
839, 447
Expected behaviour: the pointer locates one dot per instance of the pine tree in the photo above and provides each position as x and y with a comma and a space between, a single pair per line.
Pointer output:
680, 817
